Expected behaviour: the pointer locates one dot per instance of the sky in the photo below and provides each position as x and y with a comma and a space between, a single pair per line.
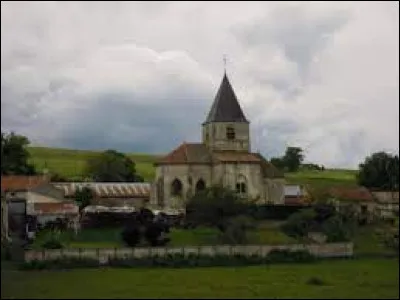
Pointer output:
141, 76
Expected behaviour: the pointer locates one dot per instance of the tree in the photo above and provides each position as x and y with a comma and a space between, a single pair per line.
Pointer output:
278, 163
83, 197
380, 171
213, 207
14, 155
293, 158
112, 166
146, 226
236, 229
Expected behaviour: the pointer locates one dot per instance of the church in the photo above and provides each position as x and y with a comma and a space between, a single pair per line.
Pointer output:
223, 157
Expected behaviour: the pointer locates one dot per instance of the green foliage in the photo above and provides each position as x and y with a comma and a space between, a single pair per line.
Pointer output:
336, 230
14, 155
278, 163
60, 264
287, 256
236, 229
52, 241
300, 223
380, 171
84, 197
293, 158
214, 206
177, 260
337, 226
112, 166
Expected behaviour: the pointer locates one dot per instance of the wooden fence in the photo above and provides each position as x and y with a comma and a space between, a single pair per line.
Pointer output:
102, 255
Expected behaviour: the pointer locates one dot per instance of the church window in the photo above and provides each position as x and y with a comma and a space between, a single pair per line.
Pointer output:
230, 133
241, 186
176, 188
200, 185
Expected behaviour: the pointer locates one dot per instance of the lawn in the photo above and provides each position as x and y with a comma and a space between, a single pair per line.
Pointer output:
372, 279
105, 238
323, 179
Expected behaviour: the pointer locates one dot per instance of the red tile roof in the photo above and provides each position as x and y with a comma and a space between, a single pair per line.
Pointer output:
187, 153
21, 183
352, 193
56, 208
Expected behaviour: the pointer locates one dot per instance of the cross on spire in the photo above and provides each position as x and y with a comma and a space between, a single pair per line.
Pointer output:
224, 59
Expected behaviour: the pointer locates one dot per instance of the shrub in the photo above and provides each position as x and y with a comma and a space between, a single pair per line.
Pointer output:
315, 281
299, 224
235, 230
131, 235
287, 256
60, 263
52, 241
336, 230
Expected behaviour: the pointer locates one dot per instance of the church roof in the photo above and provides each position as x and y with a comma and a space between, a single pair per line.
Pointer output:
198, 153
225, 107
186, 153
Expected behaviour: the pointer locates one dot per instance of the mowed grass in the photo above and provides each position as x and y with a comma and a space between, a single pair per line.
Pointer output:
363, 279
321, 180
71, 163
111, 237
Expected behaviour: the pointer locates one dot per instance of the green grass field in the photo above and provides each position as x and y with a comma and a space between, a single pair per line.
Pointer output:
363, 279
70, 163
104, 238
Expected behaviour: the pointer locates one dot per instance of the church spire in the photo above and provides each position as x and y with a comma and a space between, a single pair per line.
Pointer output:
225, 107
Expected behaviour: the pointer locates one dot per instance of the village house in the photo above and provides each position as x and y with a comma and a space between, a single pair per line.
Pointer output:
223, 157
33, 196
360, 198
296, 195
387, 203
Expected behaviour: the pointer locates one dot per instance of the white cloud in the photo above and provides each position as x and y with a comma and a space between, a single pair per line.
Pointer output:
140, 76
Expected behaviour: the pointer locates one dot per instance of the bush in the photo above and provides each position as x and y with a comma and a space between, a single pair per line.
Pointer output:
52, 241
336, 230
287, 256
60, 264
131, 235
235, 230
300, 224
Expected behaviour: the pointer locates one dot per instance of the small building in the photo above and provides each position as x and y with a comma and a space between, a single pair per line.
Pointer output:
35, 196
358, 197
296, 195
387, 203
110, 194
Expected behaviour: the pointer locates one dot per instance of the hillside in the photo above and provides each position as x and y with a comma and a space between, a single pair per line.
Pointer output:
70, 163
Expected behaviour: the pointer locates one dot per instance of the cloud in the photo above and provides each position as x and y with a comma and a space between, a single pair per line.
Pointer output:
141, 76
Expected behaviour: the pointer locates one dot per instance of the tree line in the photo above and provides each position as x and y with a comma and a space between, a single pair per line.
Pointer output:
378, 171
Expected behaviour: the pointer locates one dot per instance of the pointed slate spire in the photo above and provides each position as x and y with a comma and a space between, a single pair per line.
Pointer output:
226, 107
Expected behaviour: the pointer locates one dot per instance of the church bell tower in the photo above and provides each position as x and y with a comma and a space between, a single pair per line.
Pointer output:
226, 128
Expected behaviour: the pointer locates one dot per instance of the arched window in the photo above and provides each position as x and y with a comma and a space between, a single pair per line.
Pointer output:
241, 185
230, 133
200, 185
176, 188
